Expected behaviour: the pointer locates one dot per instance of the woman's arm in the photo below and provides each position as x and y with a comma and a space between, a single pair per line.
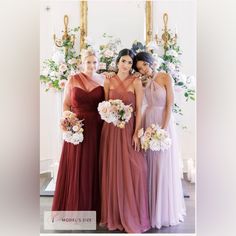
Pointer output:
106, 88
169, 100
67, 99
138, 89
66, 102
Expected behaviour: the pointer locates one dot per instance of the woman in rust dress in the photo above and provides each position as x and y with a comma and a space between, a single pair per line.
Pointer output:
123, 169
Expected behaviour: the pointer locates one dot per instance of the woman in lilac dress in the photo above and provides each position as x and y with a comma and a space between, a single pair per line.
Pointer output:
166, 200
123, 169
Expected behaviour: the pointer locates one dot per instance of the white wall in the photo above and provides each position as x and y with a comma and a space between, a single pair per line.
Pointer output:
182, 15
51, 22
122, 19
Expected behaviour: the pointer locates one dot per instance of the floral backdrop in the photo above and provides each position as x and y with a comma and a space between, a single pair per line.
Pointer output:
55, 70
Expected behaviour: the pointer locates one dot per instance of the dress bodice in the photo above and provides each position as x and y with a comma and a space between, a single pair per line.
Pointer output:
155, 94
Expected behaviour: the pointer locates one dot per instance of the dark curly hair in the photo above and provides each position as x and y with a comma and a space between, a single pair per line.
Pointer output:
143, 56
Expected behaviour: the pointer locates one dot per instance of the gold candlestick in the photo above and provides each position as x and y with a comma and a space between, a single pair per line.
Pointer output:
67, 40
166, 37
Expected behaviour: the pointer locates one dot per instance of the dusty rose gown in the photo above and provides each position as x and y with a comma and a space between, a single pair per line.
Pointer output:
124, 204
166, 200
77, 186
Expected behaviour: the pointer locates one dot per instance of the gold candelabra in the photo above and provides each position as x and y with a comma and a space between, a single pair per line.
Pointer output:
166, 37
66, 39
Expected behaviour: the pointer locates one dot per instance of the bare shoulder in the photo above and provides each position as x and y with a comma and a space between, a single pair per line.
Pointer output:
163, 78
161, 74
106, 81
110, 79
137, 81
70, 80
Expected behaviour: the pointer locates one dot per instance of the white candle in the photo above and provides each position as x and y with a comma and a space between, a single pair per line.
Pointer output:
193, 176
189, 168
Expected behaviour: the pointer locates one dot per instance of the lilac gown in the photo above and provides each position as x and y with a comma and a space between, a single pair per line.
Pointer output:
166, 201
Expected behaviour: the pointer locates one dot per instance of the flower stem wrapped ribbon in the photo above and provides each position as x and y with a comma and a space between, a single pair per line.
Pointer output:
72, 128
115, 111
154, 138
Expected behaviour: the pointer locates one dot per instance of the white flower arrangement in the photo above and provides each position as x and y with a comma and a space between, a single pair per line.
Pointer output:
72, 128
115, 111
154, 138
57, 69
60, 66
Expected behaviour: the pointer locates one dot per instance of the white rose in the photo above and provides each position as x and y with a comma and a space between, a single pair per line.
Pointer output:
62, 68
155, 145
165, 144
58, 57
104, 106
75, 128
112, 118
77, 138
72, 61
67, 136
45, 71
53, 74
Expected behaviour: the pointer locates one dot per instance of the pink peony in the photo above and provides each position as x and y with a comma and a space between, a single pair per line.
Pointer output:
62, 83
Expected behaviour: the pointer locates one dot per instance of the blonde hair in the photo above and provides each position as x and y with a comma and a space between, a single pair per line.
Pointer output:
88, 52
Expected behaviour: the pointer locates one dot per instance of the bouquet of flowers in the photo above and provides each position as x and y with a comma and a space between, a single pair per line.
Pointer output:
154, 138
72, 128
115, 111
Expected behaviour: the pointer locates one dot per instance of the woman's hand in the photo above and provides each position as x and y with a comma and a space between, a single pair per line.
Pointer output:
164, 127
108, 75
137, 74
136, 142
63, 124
